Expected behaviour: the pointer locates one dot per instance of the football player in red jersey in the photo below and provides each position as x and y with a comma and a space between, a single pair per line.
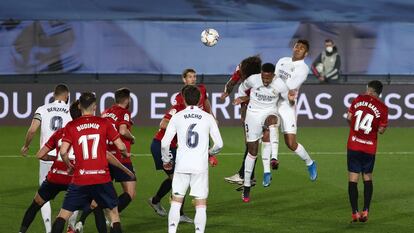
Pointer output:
57, 179
120, 117
367, 116
91, 179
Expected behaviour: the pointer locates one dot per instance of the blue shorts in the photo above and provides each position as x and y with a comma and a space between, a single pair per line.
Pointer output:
48, 190
78, 196
156, 155
120, 176
360, 162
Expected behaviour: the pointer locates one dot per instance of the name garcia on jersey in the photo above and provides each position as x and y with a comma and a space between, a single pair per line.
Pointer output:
370, 106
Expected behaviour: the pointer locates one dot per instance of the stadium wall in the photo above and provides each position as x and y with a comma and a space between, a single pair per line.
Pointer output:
318, 105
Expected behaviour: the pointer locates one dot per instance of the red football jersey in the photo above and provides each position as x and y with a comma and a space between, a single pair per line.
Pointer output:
88, 136
179, 99
58, 173
170, 112
368, 114
118, 116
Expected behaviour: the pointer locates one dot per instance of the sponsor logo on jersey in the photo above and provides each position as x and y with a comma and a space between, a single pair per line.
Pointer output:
126, 117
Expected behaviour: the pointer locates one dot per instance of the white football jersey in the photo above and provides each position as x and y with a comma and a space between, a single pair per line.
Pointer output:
293, 73
262, 98
193, 127
52, 117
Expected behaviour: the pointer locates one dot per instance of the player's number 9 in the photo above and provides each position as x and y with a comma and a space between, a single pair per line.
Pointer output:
192, 137
56, 123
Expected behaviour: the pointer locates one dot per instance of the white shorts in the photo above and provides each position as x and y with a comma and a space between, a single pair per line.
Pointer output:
288, 119
198, 183
44, 168
254, 123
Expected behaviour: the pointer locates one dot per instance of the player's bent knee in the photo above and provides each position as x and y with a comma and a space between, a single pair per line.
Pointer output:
200, 201
177, 198
271, 120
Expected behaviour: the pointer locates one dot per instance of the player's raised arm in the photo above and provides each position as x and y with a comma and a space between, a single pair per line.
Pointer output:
300, 77
165, 143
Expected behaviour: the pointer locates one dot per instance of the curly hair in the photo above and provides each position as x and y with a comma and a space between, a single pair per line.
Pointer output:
249, 66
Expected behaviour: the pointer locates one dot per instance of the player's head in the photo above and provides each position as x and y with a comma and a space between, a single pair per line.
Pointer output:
268, 73
74, 110
300, 50
87, 103
123, 97
374, 87
191, 94
189, 77
329, 45
61, 92
249, 66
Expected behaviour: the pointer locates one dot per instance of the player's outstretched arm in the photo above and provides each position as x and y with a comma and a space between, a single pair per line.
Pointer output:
124, 131
121, 147
115, 162
29, 136
42, 154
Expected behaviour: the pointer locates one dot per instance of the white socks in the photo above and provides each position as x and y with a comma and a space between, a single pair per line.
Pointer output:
274, 140
248, 169
174, 216
266, 150
200, 218
46, 215
72, 219
303, 154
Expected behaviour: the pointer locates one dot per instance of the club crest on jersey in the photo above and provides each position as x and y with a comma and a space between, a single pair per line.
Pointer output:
172, 111
126, 117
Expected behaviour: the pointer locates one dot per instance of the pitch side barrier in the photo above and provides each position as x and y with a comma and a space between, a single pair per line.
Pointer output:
317, 105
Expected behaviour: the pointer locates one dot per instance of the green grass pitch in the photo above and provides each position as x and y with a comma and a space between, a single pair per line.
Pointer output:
291, 204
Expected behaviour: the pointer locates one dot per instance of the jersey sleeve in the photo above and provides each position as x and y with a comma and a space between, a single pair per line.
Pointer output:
38, 114
168, 136
246, 85
171, 112
111, 133
236, 76
67, 137
216, 136
125, 118
300, 76
384, 117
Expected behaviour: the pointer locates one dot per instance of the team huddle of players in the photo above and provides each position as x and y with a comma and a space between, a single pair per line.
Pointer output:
82, 153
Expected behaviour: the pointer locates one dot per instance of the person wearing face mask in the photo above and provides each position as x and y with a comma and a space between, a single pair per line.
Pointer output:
326, 66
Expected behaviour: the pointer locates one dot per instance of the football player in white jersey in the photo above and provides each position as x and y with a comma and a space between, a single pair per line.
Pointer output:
49, 117
261, 112
293, 71
193, 127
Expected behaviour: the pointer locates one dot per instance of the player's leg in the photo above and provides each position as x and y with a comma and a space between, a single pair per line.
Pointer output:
292, 144
266, 151
180, 185
46, 210
272, 123
354, 169
31, 212
59, 223
86, 211
113, 215
129, 194
199, 190
165, 186
106, 198
368, 167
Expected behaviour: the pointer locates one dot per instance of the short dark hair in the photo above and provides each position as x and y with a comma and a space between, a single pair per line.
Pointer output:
376, 85
86, 100
304, 42
250, 65
186, 71
60, 89
268, 68
74, 110
191, 94
329, 40
121, 94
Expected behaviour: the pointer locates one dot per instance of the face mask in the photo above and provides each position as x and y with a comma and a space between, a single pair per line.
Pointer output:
329, 49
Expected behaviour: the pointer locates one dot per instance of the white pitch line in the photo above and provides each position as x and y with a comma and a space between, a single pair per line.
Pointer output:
240, 153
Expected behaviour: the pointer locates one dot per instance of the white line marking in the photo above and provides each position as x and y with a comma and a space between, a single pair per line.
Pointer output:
240, 153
